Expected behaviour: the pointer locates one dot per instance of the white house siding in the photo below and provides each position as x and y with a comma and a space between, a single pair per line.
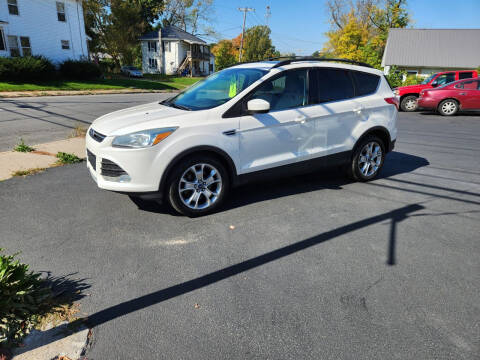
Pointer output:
38, 21
171, 57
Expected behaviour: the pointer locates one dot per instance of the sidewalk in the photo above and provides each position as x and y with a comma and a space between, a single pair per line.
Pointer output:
35, 93
43, 157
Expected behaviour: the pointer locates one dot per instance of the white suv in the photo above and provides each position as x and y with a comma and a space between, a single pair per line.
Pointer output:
249, 120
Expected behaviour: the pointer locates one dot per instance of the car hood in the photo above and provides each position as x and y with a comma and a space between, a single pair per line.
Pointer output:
127, 120
413, 88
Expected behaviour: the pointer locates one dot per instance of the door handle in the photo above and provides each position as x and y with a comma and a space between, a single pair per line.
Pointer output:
301, 119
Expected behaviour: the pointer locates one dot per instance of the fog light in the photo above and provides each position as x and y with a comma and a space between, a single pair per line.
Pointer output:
119, 179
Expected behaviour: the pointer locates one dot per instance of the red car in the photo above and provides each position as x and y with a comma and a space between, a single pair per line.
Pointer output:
408, 94
450, 98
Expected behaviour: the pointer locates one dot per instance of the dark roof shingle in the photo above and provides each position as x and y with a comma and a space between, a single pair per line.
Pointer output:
173, 33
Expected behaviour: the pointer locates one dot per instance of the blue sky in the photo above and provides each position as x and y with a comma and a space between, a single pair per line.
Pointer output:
299, 25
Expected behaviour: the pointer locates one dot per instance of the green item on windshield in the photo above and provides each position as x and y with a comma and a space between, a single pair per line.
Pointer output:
233, 87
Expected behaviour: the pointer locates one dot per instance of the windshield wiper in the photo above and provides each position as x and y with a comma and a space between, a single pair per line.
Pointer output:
172, 104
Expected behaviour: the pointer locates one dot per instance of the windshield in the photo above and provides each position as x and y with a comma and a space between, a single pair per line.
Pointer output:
427, 80
216, 89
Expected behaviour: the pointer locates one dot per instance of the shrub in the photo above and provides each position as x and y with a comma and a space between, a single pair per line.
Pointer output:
22, 294
412, 80
80, 70
66, 158
26, 68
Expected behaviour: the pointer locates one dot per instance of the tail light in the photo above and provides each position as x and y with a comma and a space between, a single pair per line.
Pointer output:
392, 100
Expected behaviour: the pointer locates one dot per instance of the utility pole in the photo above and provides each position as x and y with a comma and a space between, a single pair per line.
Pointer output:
244, 10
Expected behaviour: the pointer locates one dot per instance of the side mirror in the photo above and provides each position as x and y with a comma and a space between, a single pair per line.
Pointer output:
434, 84
258, 106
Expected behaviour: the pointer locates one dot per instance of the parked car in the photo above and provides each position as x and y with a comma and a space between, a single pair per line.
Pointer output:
243, 123
453, 97
131, 71
408, 94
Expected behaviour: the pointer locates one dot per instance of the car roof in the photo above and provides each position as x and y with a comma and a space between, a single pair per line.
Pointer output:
270, 65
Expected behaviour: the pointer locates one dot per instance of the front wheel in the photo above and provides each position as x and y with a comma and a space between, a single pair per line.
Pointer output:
448, 107
367, 159
409, 103
198, 186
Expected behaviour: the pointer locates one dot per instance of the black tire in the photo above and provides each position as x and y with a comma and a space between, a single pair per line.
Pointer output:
218, 194
354, 170
409, 103
448, 107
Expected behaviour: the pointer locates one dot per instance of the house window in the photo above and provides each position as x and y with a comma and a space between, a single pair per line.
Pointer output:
25, 44
65, 44
12, 7
61, 11
2, 41
152, 46
13, 45
152, 63
166, 46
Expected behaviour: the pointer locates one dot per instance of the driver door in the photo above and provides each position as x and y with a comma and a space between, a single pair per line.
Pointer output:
278, 137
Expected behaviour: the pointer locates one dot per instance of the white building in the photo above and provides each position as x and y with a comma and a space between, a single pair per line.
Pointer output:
173, 51
54, 29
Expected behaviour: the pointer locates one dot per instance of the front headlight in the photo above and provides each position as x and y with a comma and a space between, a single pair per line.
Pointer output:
142, 139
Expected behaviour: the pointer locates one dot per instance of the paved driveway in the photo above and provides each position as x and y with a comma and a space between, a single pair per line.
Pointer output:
43, 119
316, 267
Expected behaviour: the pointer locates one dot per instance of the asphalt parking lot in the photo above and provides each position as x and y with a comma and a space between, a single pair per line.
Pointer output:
312, 267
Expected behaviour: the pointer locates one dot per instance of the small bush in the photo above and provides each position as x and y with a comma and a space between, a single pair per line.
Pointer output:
65, 158
80, 70
26, 68
22, 147
22, 294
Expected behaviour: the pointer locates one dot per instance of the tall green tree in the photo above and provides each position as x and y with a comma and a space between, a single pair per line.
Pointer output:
193, 16
224, 55
257, 44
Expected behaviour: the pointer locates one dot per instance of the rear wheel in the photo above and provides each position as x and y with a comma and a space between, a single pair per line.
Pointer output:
198, 186
448, 107
367, 160
409, 103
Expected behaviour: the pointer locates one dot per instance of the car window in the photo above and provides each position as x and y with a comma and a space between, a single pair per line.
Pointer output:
333, 85
216, 89
459, 86
465, 75
471, 85
445, 78
365, 84
286, 91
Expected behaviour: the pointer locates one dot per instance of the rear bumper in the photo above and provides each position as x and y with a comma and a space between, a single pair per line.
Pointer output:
391, 146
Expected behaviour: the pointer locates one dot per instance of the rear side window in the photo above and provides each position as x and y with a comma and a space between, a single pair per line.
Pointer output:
471, 85
365, 84
465, 75
332, 85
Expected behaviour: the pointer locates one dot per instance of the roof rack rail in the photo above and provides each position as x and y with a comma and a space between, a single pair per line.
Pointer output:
291, 59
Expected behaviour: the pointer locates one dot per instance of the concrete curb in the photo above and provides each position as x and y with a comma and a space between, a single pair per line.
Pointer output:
44, 156
15, 94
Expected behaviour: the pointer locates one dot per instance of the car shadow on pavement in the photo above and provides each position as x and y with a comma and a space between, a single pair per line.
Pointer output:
328, 178
395, 216
460, 113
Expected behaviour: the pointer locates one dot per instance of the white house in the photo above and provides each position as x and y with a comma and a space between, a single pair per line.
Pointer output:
54, 29
173, 51
423, 52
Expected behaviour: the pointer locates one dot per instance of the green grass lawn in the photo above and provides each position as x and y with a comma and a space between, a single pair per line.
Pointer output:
117, 82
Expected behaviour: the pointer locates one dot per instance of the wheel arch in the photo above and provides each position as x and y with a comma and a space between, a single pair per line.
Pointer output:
450, 98
409, 94
217, 153
379, 131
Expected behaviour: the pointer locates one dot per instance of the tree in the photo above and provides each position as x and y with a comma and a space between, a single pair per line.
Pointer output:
115, 26
360, 28
192, 16
224, 54
257, 44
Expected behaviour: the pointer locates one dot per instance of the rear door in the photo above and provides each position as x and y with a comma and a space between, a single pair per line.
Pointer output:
469, 95
335, 111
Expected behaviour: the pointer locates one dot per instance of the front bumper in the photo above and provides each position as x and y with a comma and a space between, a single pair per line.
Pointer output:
134, 170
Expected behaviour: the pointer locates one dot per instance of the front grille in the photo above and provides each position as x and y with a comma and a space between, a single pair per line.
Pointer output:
109, 168
96, 135
92, 159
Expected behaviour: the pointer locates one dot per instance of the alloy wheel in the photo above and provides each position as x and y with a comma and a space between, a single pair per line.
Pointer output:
370, 159
200, 186
449, 107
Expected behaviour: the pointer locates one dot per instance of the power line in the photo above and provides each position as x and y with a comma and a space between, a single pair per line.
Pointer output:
244, 10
